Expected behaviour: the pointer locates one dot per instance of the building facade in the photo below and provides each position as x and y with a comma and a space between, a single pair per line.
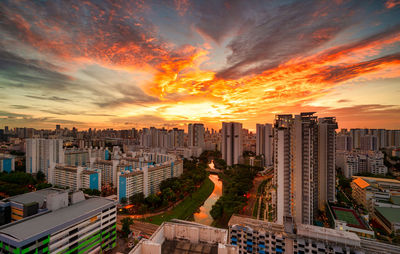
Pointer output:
231, 142
43, 154
87, 226
76, 178
7, 163
304, 154
196, 135
147, 180
264, 142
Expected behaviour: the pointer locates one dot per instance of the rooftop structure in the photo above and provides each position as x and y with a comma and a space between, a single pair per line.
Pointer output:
255, 236
83, 226
388, 217
185, 237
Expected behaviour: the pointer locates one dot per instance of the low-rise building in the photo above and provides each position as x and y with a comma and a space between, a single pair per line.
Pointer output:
372, 191
84, 226
256, 236
32, 203
185, 237
389, 218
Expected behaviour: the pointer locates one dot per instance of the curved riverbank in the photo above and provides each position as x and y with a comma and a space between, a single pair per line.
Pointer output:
203, 216
187, 207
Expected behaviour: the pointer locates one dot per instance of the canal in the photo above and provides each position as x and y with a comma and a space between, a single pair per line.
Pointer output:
203, 216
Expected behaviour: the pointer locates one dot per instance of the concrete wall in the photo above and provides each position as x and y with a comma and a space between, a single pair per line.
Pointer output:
195, 234
57, 200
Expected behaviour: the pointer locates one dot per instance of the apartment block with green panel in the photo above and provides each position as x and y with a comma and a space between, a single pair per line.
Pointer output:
88, 226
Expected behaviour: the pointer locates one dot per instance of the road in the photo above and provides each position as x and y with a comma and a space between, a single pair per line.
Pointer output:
139, 227
252, 195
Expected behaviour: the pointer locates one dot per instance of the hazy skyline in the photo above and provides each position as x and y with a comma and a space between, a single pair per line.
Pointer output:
124, 64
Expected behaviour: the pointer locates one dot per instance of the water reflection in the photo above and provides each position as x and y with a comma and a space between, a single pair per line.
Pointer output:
203, 216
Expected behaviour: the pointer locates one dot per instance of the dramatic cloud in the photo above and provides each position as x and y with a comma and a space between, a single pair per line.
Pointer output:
117, 63
15, 69
289, 31
52, 98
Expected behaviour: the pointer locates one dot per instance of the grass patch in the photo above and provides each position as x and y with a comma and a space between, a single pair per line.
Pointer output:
261, 187
346, 216
187, 207
255, 209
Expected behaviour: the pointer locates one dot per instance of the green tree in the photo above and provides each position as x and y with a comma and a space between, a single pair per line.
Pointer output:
137, 198
40, 186
153, 201
126, 223
40, 176
169, 195
123, 201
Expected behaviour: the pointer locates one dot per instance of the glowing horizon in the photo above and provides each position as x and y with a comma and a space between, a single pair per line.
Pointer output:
132, 64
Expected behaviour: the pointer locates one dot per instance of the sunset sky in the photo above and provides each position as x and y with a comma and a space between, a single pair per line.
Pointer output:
124, 64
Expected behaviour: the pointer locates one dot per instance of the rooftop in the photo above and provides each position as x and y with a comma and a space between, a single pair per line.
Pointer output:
36, 196
23, 230
396, 200
391, 214
361, 183
178, 246
322, 233
377, 179
253, 223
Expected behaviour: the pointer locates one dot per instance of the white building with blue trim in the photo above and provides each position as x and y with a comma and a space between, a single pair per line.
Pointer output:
7, 163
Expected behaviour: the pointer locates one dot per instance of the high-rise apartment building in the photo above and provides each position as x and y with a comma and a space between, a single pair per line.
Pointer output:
175, 138
344, 142
196, 135
43, 154
231, 142
304, 165
326, 160
108, 169
369, 143
264, 142
283, 167
147, 180
76, 178
77, 157
7, 163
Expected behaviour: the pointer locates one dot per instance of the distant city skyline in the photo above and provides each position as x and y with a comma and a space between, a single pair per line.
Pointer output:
170, 63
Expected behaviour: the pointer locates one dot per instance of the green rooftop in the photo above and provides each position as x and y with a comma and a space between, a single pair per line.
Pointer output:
396, 200
391, 214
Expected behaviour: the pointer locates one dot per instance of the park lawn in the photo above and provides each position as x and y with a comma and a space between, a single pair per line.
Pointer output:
187, 207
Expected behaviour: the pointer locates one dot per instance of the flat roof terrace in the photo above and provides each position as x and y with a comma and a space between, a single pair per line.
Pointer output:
32, 229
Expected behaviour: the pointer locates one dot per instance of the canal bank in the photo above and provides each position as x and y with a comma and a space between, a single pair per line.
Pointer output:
203, 216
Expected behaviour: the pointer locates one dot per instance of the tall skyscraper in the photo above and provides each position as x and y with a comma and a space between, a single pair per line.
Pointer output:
283, 167
43, 154
326, 160
196, 135
231, 143
304, 165
264, 142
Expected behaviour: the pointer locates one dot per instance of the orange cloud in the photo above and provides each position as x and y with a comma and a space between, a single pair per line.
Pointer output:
392, 3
